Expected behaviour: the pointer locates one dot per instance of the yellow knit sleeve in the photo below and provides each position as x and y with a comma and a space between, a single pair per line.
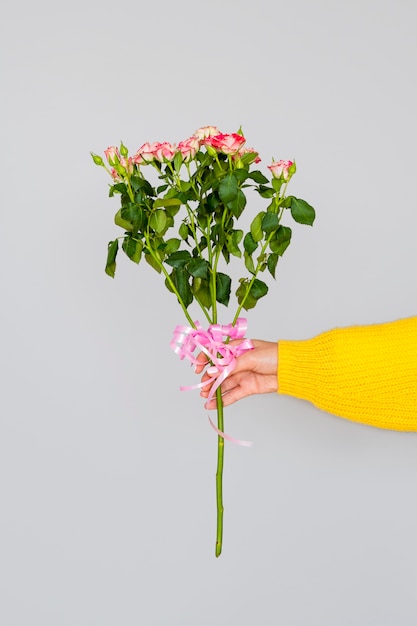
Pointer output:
364, 373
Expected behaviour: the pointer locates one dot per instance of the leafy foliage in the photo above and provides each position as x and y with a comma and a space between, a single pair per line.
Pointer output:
185, 224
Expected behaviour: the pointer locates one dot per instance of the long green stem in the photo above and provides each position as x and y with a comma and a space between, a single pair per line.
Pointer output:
249, 287
258, 266
171, 283
219, 474
212, 269
203, 308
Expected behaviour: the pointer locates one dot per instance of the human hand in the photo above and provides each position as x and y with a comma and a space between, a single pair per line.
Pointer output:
255, 372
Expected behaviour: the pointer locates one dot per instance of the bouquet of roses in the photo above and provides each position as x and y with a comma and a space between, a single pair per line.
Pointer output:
186, 225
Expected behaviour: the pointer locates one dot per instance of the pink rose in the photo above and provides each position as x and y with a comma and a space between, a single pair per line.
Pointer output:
112, 155
256, 159
189, 147
127, 164
165, 151
116, 176
145, 154
138, 158
280, 169
206, 131
227, 144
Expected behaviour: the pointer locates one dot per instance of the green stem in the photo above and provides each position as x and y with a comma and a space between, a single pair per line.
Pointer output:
258, 266
213, 267
219, 474
129, 189
190, 214
170, 282
203, 308
249, 287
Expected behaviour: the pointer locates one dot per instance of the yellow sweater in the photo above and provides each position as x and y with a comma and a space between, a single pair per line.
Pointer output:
364, 373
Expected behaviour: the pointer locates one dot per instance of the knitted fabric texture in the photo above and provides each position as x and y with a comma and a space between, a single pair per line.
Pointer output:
363, 373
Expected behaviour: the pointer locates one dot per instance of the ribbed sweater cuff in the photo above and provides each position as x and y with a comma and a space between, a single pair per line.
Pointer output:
364, 373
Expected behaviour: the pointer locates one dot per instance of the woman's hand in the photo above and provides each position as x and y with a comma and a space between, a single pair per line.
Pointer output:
255, 372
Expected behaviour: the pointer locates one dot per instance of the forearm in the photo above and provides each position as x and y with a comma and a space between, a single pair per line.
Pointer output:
364, 373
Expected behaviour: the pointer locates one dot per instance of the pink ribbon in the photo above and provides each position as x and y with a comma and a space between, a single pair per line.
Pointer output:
223, 356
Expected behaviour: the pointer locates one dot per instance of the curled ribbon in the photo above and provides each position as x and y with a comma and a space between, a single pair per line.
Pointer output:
221, 355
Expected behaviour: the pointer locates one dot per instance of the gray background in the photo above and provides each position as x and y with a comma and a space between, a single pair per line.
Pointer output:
106, 470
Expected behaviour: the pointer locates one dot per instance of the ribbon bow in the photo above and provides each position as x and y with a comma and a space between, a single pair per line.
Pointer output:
221, 355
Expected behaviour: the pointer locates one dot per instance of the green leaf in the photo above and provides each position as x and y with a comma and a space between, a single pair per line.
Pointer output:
161, 189
243, 297
184, 231
180, 278
286, 202
211, 204
137, 182
133, 248
201, 290
158, 221
171, 211
281, 240
117, 188
265, 192
249, 263
248, 158
232, 242
185, 185
223, 286
256, 227
302, 212
238, 204
272, 263
258, 289
270, 223
152, 262
166, 202
177, 161
129, 217
261, 260
179, 259
123, 223
258, 177
241, 175
112, 249
198, 268
172, 245
228, 188
237, 236
249, 244
226, 253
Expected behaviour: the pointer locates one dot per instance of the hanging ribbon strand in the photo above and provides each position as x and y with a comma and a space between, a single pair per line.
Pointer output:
222, 356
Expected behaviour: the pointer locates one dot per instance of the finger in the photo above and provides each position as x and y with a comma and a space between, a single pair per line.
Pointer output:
232, 396
202, 362
227, 385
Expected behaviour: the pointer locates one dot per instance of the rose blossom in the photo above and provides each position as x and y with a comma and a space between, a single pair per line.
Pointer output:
127, 164
244, 151
280, 169
189, 147
112, 155
146, 153
115, 175
206, 131
165, 151
227, 144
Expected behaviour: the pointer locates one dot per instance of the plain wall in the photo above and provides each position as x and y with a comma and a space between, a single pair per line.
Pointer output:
107, 471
